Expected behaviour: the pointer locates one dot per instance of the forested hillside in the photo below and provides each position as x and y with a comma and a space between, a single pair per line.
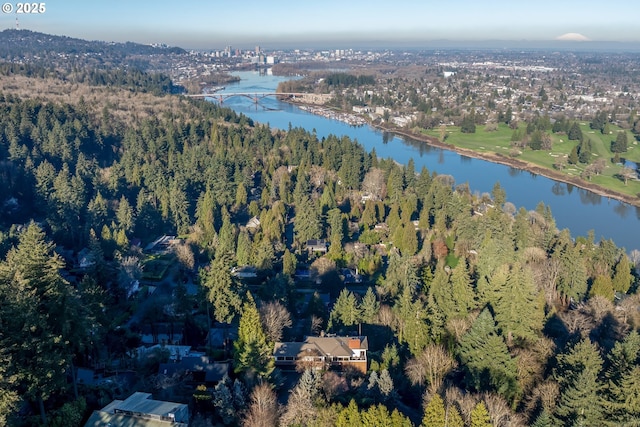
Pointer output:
478, 313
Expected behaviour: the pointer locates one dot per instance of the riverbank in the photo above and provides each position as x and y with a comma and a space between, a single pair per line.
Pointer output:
488, 156
515, 163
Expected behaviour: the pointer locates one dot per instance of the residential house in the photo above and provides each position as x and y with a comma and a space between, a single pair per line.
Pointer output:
317, 245
253, 223
245, 272
321, 352
139, 410
201, 369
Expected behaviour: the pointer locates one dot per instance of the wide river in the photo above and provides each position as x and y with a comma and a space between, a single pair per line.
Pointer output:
573, 208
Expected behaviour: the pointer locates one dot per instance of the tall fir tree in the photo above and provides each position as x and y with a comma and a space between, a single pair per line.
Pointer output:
480, 416
580, 401
519, 309
252, 351
434, 413
41, 318
486, 359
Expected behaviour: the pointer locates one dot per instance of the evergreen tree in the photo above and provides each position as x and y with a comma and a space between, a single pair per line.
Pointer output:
518, 309
572, 278
346, 311
575, 133
223, 291
41, 319
623, 388
480, 416
543, 420
252, 351
621, 143
223, 401
573, 156
622, 278
486, 358
125, 215
578, 370
584, 151
385, 384
412, 327
307, 224
462, 292
337, 232
409, 239
623, 405
468, 124
369, 307
226, 236
434, 413
244, 249
288, 263
369, 215
454, 419
603, 287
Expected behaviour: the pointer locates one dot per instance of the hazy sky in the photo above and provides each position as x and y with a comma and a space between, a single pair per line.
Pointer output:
243, 23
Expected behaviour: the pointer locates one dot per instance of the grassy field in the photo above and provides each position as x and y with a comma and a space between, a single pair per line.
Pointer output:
499, 141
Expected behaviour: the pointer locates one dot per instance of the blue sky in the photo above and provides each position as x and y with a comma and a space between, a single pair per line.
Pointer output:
244, 23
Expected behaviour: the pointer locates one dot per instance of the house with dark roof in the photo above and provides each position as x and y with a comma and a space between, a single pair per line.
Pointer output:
320, 352
139, 410
200, 368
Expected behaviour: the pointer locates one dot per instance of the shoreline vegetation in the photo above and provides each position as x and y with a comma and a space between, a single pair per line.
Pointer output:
489, 156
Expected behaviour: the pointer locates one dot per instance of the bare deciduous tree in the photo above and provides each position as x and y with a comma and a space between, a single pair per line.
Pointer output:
500, 412
275, 317
374, 183
321, 266
545, 395
629, 309
185, 256
626, 173
465, 402
386, 315
130, 271
457, 326
634, 257
300, 409
333, 385
430, 367
316, 324
263, 410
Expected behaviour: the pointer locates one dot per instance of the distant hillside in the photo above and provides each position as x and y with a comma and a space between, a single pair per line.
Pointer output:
28, 43
63, 52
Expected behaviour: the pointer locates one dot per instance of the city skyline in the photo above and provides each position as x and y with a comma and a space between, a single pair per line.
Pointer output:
284, 23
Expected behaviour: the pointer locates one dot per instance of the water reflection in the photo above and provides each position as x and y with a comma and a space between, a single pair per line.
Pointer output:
589, 198
622, 209
559, 189
513, 172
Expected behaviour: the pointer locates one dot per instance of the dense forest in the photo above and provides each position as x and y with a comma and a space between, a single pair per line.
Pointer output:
478, 313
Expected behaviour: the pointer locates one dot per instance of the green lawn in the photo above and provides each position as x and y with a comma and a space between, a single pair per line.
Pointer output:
155, 267
499, 141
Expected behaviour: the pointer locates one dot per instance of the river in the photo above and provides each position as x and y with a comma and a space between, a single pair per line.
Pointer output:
573, 208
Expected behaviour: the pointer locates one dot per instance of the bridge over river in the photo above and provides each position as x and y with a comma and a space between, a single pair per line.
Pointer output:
311, 98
